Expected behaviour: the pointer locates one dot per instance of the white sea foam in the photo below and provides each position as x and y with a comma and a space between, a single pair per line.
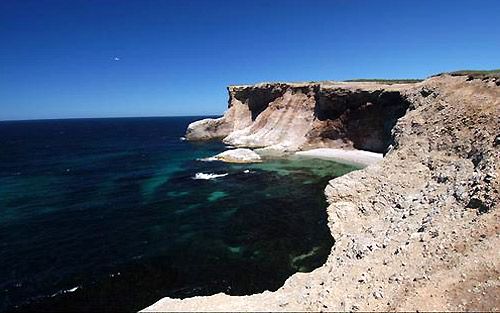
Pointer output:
182, 138
246, 171
210, 159
60, 292
208, 176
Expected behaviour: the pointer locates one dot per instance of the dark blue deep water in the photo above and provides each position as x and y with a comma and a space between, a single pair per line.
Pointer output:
104, 214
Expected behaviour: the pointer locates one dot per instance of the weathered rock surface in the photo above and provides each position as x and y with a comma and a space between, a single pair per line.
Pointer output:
240, 155
418, 230
208, 129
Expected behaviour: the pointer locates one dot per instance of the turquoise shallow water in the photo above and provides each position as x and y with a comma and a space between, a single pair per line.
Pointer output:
106, 215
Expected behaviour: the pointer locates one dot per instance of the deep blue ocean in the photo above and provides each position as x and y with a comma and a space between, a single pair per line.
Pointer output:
105, 215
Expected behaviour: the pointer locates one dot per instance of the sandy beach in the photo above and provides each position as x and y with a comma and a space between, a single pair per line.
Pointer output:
354, 157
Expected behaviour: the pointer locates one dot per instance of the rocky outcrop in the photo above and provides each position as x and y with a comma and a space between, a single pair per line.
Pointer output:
416, 231
208, 129
239, 155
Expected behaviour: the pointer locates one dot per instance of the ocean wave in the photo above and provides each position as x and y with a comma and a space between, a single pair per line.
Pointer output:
208, 176
60, 292
209, 159
182, 138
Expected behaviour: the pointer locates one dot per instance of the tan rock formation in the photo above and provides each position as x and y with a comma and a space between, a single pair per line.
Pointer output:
208, 129
418, 230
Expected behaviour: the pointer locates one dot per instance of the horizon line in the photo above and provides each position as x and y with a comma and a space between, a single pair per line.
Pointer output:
103, 117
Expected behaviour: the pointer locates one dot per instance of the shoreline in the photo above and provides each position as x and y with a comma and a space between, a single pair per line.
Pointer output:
417, 230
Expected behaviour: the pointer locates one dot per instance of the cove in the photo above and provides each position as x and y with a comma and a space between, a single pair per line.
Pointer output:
106, 215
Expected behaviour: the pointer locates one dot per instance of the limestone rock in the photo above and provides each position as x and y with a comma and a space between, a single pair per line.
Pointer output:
207, 129
302, 116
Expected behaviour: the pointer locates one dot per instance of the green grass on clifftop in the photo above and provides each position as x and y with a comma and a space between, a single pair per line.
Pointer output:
474, 73
385, 81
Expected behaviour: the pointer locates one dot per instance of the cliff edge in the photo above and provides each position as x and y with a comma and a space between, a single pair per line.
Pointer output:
416, 231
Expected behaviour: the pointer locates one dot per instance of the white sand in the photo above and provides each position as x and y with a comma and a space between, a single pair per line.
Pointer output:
354, 157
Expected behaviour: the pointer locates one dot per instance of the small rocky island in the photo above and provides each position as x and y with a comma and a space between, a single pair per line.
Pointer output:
415, 230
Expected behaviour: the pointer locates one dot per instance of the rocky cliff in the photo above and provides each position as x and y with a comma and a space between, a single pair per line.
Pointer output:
303, 116
416, 231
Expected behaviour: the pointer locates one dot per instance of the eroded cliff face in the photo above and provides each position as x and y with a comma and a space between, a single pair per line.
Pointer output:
302, 116
418, 230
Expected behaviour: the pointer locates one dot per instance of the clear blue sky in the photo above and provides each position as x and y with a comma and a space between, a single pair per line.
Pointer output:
57, 58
